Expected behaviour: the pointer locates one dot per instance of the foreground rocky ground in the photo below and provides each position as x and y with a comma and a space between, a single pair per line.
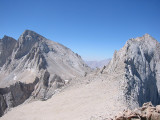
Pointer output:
146, 112
81, 100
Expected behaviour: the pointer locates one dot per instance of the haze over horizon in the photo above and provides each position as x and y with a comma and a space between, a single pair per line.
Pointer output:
93, 29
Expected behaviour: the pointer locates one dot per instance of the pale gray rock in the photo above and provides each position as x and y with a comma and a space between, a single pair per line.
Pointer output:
34, 58
26, 42
7, 45
138, 63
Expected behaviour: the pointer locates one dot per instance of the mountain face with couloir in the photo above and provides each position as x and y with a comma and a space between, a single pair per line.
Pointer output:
34, 66
130, 79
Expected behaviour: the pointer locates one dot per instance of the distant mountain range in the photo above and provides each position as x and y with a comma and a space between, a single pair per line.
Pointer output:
98, 64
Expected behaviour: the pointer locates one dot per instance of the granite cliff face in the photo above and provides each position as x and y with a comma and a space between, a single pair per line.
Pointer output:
34, 67
138, 64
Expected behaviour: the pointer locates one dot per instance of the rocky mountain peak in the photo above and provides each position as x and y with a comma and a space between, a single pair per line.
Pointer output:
26, 41
30, 33
146, 37
7, 45
7, 38
138, 61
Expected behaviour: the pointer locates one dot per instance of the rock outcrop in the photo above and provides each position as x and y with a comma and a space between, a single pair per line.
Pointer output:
138, 66
34, 58
15, 95
146, 112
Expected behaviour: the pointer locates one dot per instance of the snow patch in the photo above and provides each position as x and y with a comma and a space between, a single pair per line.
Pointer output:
31, 70
66, 81
15, 77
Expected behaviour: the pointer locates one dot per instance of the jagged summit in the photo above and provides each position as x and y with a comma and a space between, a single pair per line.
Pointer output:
145, 37
138, 64
30, 33
30, 36
26, 42
5, 36
146, 34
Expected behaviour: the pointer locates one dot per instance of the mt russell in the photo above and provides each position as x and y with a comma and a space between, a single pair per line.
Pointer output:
44, 80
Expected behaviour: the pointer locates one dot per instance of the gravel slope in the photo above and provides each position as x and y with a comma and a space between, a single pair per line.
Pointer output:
81, 100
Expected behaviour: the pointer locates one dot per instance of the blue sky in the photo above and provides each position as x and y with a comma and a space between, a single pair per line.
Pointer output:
92, 28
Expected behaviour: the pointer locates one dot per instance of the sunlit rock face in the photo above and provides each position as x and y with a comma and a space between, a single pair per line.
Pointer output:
139, 63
